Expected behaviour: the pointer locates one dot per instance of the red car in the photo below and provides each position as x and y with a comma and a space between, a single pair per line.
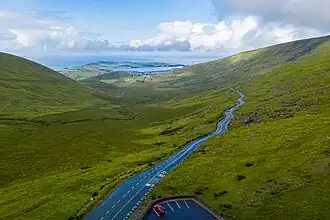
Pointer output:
160, 211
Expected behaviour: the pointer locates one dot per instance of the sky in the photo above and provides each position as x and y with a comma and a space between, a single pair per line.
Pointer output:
38, 28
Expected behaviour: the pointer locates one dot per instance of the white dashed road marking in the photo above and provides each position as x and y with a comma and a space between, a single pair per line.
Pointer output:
113, 206
174, 160
118, 201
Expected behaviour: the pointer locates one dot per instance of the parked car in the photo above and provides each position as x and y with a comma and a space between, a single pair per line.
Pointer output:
160, 211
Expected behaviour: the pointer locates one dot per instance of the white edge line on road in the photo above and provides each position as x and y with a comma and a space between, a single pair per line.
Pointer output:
127, 203
189, 150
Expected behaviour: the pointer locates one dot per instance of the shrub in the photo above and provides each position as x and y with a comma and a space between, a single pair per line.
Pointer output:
95, 194
248, 164
218, 194
199, 191
240, 177
227, 206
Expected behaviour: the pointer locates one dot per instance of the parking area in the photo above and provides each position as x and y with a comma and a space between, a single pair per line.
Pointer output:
181, 209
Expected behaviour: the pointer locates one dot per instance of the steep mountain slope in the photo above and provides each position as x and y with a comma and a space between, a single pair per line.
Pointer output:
73, 144
274, 162
28, 88
225, 72
62, 143
204, 77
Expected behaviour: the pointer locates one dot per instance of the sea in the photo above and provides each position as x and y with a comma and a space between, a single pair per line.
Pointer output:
59, 62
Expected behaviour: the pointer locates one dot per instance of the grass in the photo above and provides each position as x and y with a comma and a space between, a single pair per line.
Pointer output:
53, 161
228, 71
29, 89
274, 162
50, 171
62, 142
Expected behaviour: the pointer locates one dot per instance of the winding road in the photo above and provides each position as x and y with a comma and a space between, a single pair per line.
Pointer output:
130, 195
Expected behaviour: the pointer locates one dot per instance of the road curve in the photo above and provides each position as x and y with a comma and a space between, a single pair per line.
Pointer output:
130, 195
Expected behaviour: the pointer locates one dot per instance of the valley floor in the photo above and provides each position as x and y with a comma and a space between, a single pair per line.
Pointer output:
56, 163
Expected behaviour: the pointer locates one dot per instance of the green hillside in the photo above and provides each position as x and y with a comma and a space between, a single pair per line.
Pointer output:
274, 162
29, 89
223, 73
62, 142
213, 75
111, 75
57, 151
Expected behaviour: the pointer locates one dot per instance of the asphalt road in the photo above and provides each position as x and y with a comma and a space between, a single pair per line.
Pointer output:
130, 195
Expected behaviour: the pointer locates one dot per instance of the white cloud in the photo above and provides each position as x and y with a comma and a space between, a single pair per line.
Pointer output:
237, 35
261, 23
300, 13
30, 32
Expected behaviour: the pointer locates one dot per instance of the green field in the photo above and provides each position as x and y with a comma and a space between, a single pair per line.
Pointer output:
56, 151
62, 143
52, 168
274, 162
